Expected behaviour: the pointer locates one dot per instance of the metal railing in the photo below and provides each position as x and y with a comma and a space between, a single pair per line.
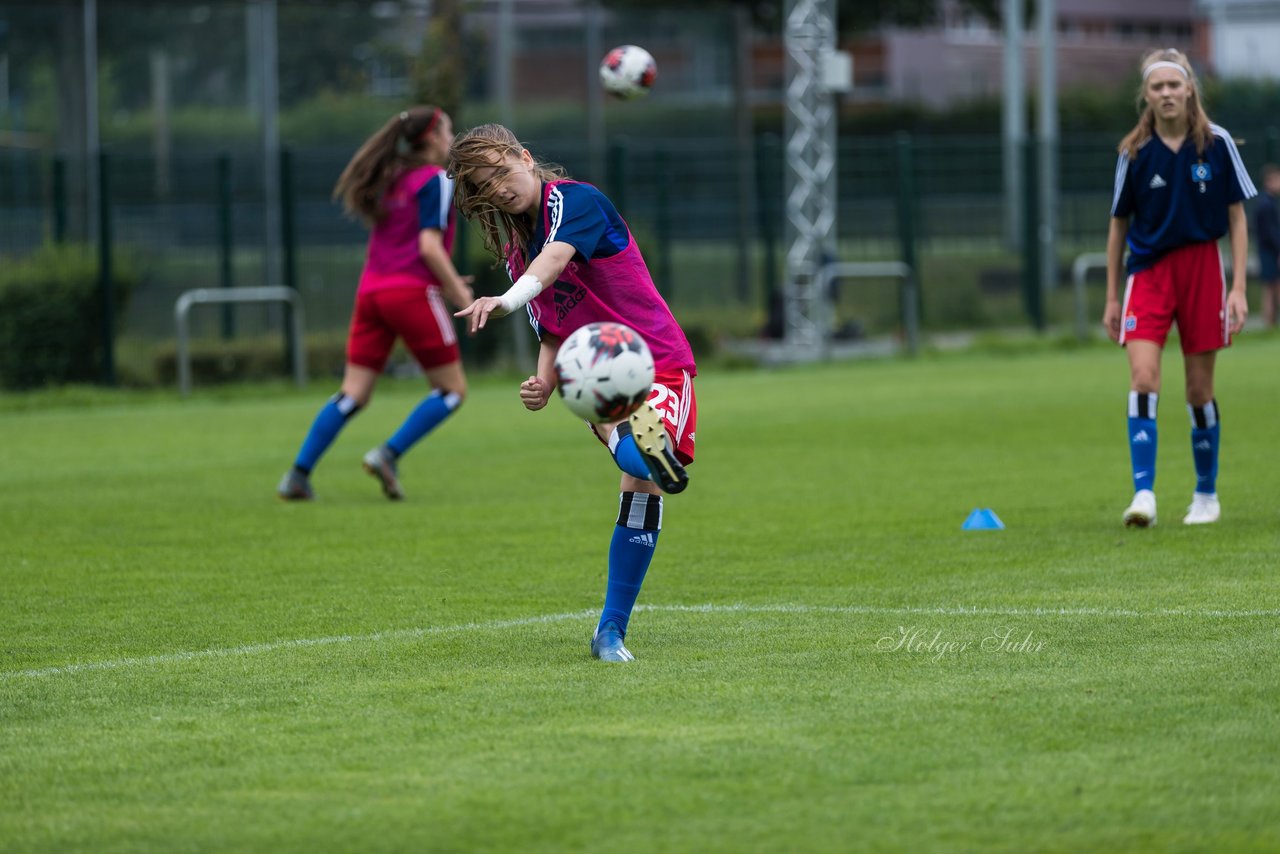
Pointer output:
1080, 269
203, 296
910, 298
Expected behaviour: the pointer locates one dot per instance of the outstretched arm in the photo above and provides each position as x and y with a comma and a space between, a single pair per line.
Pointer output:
544, 270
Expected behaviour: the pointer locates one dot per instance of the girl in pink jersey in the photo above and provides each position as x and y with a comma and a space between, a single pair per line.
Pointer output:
1180, 186
397, 184
573, 261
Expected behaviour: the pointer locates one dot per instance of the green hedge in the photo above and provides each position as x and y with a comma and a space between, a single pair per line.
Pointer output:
51, 316
248, 359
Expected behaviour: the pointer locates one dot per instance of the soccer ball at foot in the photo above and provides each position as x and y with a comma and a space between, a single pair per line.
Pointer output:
604, 372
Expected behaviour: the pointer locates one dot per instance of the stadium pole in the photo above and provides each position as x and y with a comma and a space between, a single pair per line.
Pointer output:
744, 133
263, 64
1047, 172
92, 132
594, 40
503, 48
1015, 122
505, 38
809, 38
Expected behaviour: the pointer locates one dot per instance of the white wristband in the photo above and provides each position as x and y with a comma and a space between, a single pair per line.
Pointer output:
526, 288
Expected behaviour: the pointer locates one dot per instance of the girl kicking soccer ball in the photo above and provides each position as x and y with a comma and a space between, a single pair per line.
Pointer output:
573, 261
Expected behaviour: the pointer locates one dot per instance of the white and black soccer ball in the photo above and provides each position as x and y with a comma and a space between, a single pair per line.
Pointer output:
628, 72
604, 371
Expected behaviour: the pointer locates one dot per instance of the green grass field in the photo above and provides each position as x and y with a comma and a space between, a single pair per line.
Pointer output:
187, 664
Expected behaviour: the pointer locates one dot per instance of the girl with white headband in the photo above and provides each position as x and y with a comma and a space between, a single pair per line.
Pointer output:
1179, 188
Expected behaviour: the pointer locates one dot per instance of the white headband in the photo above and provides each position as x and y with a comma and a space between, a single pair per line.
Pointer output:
1164, 63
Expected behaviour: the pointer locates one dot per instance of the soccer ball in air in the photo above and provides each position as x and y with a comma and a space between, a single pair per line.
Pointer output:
628, 72
604, 371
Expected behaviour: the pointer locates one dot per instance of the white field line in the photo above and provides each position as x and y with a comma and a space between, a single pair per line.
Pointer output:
272, 646
963, 611
495, 625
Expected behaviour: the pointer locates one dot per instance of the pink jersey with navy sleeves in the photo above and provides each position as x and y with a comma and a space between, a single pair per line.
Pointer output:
603, 282
419, 198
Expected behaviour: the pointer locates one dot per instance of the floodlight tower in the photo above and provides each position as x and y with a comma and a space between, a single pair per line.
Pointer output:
809, 39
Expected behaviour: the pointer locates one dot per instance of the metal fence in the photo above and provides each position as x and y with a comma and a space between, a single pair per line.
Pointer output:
199, 222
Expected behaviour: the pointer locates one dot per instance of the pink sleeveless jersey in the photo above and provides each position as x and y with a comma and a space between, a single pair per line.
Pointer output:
619, 289
393, 260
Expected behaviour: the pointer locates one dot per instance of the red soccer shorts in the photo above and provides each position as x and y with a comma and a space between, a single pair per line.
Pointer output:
1186, 285
420, 319
672, 396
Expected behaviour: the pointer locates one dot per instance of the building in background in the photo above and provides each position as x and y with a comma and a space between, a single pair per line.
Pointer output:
1099, 42
957, 59
1244, 37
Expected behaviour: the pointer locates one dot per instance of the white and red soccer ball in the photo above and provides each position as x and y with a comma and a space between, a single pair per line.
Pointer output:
628, 72
604, 371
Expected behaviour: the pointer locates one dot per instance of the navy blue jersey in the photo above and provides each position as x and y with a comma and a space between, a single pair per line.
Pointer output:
583, 217
1175, 199
435, 201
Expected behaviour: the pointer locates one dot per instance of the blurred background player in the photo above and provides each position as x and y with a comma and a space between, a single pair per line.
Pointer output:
1179, 187
397, 184
1266, 222
573, 261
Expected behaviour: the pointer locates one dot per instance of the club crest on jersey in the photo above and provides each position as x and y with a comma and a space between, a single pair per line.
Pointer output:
1130, 322
1201, 172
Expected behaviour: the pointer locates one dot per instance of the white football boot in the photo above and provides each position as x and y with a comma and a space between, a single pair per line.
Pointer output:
1141, 513
1204, 509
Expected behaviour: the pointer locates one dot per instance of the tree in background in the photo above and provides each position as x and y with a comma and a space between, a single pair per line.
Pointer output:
439, 75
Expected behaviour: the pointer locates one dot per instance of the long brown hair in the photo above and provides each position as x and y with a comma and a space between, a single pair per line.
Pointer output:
396, 146
1197, 119
487, 146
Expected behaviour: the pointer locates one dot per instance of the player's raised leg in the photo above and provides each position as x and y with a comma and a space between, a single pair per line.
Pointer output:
654, 446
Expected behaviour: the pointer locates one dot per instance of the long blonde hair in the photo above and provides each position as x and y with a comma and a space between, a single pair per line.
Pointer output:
487, 146
396, 146
1197, 119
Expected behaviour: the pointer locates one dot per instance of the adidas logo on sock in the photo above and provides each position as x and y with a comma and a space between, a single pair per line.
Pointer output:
645, 539
1141, 436
1156, 183
1203, 445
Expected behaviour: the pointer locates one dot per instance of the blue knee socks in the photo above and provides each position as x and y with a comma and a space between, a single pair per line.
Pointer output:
426, 417
625, 453
1142, 438
328, 422
630, 551
1204, 445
